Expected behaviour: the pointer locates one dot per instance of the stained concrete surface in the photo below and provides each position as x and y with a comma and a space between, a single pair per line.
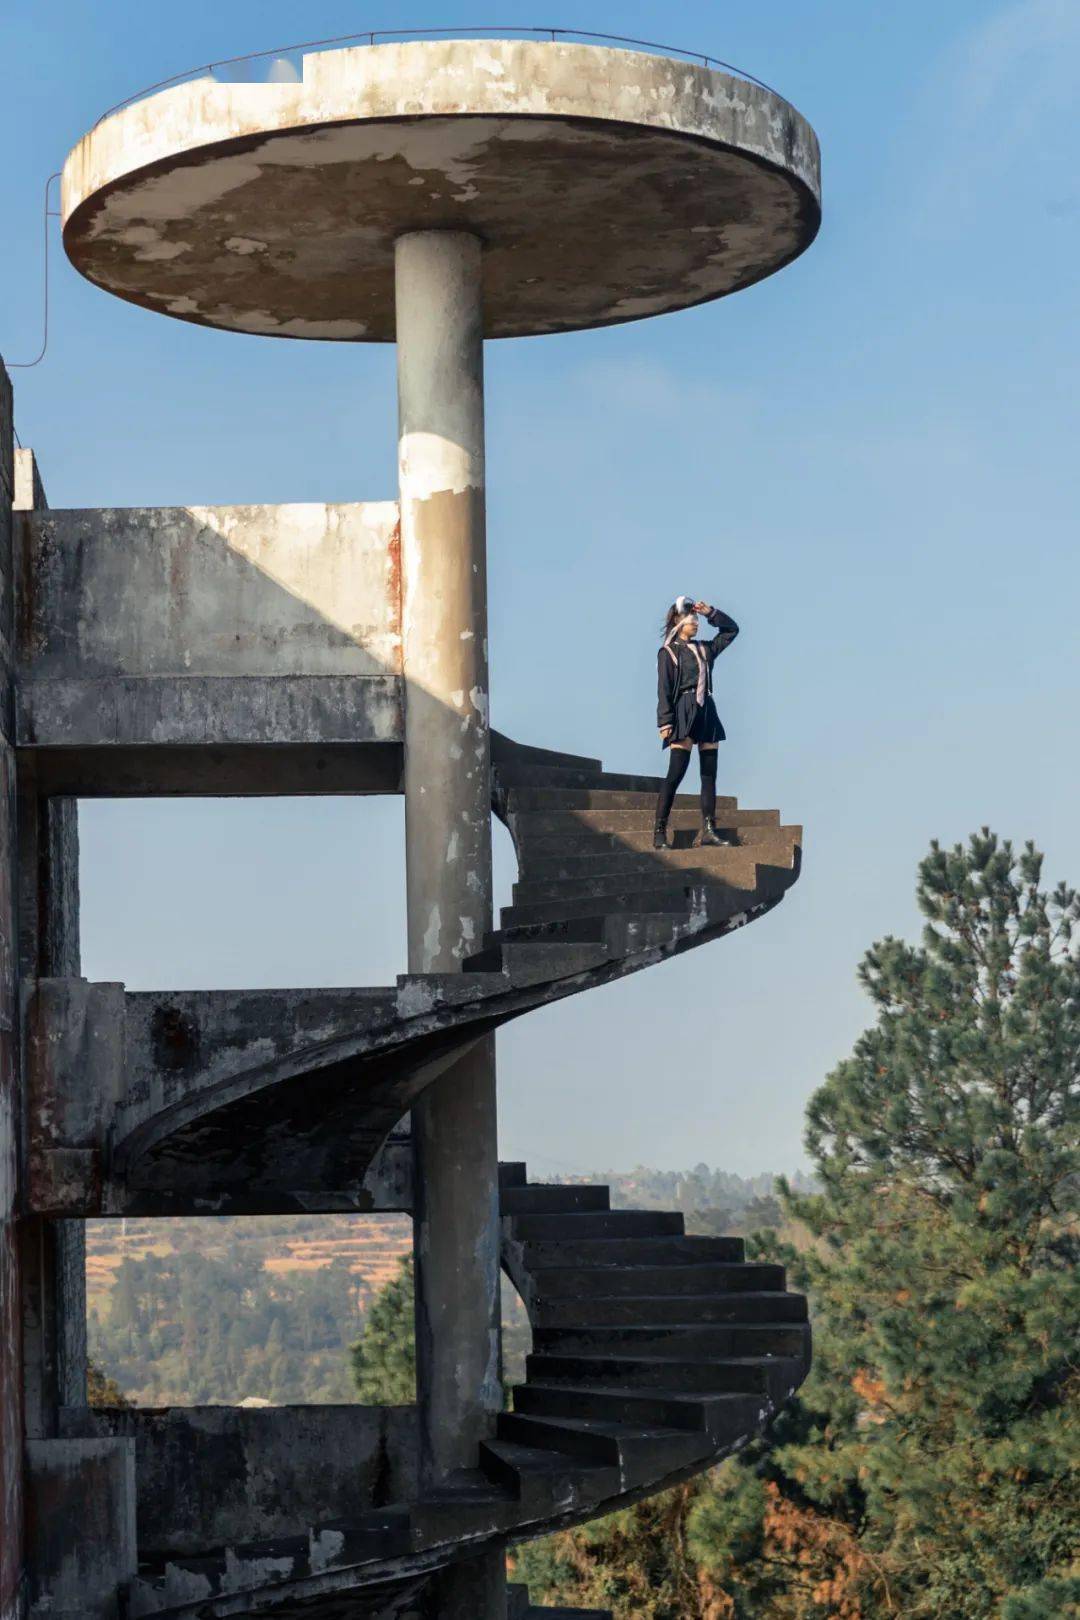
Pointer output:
211, 1475
606, 185
203, 626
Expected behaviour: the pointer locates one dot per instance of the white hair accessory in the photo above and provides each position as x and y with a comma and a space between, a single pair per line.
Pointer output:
684, 603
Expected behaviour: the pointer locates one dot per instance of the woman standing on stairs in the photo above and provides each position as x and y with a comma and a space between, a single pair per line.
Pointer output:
685, 711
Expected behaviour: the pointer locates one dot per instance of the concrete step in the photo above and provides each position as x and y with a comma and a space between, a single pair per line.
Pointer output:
546, 1481
541, 1611
710, 904
630, 933
763, 843
631, 1251
643, 1455
708, 1340
571, 930
599, 1224
575, 777
540, 1198
544, 961
611, 818
649, 1310
646, 1309
455, 1508
420, 992
699, 1278
723, 1418
518, 1607
771, 1376
505, 753
670, 899
566, 799
731, 867
623, 933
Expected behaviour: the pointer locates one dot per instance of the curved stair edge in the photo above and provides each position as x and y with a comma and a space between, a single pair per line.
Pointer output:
563, 934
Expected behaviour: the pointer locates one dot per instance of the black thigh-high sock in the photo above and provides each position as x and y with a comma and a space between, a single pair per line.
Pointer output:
678, 761
708, 783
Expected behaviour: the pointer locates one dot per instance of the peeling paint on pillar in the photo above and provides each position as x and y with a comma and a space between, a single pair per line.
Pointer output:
448, 827
444, 594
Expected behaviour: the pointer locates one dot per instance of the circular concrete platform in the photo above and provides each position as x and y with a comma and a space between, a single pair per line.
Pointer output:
607, 185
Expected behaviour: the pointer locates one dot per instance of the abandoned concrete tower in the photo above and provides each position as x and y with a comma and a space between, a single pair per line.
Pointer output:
432, 195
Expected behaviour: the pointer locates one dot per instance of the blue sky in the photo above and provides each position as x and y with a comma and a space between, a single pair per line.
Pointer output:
869, 459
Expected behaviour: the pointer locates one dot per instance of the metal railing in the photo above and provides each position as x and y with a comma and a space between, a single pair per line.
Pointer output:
372, 36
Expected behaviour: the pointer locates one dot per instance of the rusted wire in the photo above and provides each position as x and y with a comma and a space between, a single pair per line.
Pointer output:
373, 34
28, 365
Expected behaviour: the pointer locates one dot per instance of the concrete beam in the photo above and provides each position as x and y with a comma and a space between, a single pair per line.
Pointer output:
92, 770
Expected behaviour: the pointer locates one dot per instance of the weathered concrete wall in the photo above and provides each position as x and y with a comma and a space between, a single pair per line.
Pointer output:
74, 1047
210, 626
11, 1484
81, 1526
209, 1476
104, 1069
53, 1252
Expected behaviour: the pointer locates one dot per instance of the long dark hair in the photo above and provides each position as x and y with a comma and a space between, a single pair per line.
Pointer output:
673, 616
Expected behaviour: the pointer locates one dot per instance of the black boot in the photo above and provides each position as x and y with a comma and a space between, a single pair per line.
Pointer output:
709, 834
659, 837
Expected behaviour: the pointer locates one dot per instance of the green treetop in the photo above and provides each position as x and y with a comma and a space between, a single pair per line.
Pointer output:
932, 1466
384, 1356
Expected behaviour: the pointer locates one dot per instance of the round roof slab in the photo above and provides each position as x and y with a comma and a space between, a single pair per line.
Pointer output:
606, 185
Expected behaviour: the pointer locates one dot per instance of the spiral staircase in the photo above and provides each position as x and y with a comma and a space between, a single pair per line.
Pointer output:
654, 1353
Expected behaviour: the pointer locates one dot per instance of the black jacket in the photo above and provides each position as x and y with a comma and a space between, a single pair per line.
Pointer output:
667, 666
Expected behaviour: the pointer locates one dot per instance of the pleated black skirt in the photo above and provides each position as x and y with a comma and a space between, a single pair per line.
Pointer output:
695, 723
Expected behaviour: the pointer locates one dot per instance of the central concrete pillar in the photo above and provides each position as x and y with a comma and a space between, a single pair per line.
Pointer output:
448, 856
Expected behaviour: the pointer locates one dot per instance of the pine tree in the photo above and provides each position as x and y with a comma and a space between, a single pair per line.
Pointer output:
635, 1562
101, 1390
932, 1466
384, 1356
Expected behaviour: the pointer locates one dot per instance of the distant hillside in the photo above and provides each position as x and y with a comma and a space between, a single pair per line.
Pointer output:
227, 1309
219, 1310
370, 1244
712, 1200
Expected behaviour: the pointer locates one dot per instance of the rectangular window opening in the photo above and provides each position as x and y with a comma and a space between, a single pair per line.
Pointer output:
240, 1311
222, 894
